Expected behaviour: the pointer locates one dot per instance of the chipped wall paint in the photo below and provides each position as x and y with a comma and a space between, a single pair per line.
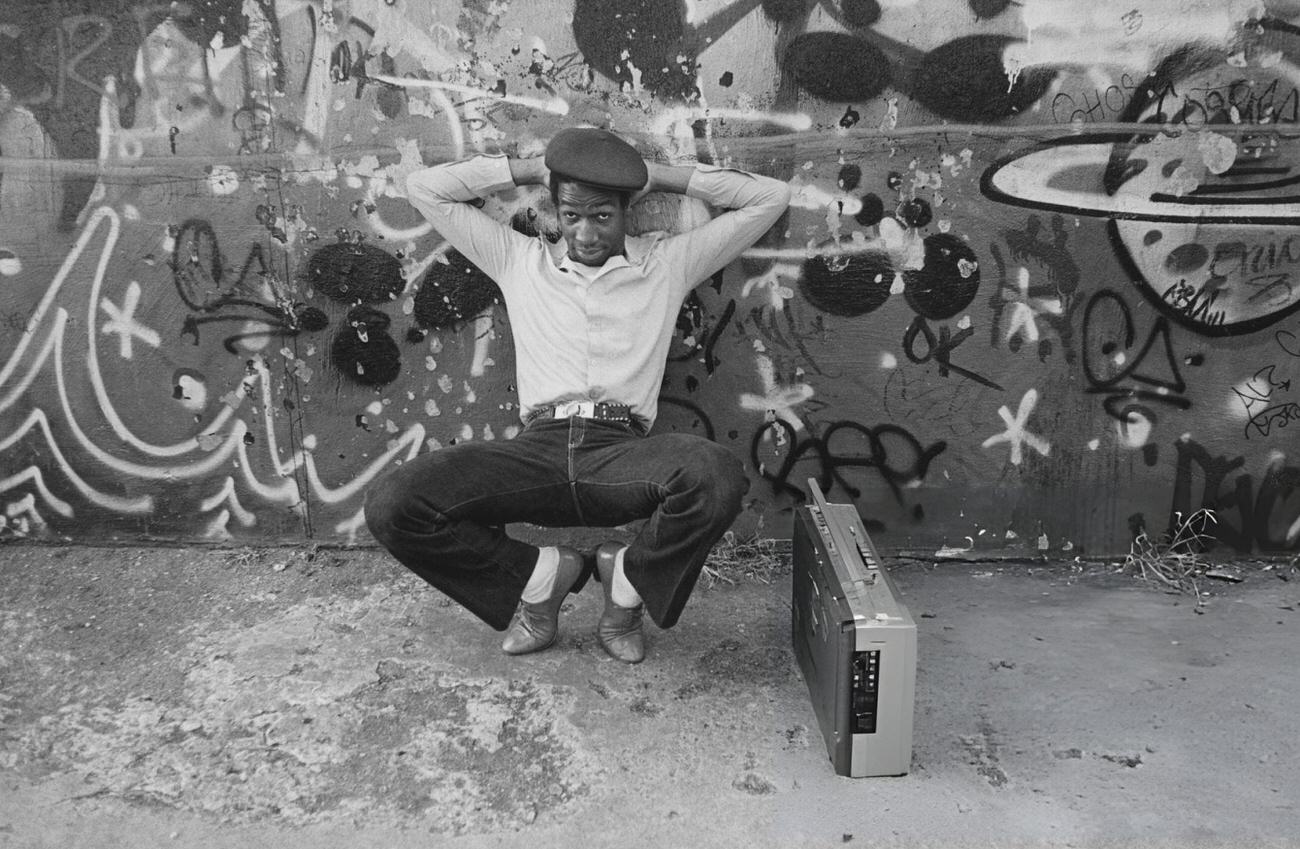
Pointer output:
1037, 289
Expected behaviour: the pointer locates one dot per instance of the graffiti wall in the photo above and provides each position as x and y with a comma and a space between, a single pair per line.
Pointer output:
1037, 290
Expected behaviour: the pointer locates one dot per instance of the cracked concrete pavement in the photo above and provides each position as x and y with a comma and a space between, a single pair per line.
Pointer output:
196, 697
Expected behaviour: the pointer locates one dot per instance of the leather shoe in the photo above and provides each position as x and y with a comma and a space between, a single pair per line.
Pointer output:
619, 631
536, 625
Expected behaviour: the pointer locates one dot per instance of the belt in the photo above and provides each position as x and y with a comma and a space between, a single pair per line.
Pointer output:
599, 410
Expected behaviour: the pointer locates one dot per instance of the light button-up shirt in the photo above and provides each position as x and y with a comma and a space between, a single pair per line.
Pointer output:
599, 334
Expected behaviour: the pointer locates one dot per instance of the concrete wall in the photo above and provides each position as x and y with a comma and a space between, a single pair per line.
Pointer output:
997, 317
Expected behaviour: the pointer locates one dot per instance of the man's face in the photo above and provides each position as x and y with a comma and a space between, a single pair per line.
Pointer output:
592, 221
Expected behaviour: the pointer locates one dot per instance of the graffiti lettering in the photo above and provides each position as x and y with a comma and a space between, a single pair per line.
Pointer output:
200, 277
896, 454
940, 349
341, 64
1109, 360
72, 27
1196, 304
1245, 101
1261, 391
701, 418
1237, 258
1287, 341
1097, 105
200, 31
695, 333
710, 362
1267, 519
1279, 416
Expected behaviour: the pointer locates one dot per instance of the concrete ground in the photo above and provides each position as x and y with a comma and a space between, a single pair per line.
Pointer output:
184, 697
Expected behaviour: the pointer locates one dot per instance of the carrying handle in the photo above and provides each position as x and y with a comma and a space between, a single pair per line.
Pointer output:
818, 497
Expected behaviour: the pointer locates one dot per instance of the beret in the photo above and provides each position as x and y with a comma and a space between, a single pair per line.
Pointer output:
596, 157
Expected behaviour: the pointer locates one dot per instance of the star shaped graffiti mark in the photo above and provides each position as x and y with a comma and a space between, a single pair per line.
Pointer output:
777, 401
1016, 435
122, 321
1027, 309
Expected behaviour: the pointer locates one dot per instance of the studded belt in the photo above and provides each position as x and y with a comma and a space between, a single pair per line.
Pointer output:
599, 410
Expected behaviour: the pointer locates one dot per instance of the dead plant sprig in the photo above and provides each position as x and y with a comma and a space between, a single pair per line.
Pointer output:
732, 560
1175, 561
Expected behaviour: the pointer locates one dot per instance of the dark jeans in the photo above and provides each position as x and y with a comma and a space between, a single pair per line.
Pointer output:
442, 514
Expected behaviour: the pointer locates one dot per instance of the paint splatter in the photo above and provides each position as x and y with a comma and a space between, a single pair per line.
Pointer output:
872, 211
947, 282
637, 43
861, 13
352, 273
847, 286
10, 263
363, 351
453, 292
223, 180
837, 67
915, 212
965, 80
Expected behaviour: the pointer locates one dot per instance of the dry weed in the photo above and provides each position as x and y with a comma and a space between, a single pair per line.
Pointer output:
1175, 561
242, 558
732, 560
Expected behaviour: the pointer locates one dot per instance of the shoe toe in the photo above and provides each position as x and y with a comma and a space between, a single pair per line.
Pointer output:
624, 650
531, 630
536, 626
620, 633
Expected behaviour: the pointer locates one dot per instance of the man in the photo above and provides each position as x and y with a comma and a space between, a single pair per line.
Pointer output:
592, 318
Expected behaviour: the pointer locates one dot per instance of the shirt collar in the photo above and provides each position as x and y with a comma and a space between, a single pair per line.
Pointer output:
566, 264
634, 254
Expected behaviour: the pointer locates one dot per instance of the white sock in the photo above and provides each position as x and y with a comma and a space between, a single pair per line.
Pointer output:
621, 589
542, 582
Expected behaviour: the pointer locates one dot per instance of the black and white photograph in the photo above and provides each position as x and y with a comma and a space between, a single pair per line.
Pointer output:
786, 424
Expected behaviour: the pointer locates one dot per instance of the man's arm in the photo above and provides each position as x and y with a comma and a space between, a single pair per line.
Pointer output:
754, 203
668, 178
529, 172
446, 194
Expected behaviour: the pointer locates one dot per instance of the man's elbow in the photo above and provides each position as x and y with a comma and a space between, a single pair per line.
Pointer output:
777, 198
784, 194
435, 187
771, 192
419, 183
412, 185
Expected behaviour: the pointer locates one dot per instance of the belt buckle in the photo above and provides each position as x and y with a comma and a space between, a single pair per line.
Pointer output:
585, 409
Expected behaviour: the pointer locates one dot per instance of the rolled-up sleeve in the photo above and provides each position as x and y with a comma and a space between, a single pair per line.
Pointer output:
444, 194
754, 202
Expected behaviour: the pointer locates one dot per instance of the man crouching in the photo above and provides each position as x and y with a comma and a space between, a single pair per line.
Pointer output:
592, 317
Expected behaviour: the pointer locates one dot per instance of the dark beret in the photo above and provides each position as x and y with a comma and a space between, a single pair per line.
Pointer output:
596, 157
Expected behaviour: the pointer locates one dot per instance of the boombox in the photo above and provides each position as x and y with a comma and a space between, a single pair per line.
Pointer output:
854, 642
